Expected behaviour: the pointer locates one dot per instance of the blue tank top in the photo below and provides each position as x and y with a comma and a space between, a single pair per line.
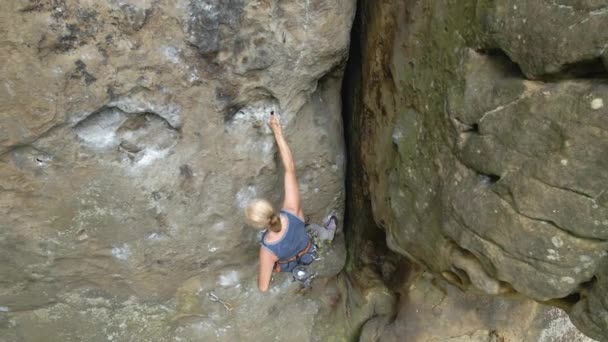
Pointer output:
294, 240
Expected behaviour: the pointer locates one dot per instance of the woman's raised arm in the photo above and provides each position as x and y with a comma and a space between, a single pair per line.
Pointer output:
292, 188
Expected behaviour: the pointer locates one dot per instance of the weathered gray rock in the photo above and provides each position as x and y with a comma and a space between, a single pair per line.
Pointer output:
132, 134
524, 160
474, 168
548, 37
590, 312
438, 312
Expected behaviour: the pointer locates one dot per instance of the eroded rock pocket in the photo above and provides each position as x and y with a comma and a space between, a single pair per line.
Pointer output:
138, 137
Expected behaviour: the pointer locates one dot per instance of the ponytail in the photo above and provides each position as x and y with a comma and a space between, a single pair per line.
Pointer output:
260, 214
274, 224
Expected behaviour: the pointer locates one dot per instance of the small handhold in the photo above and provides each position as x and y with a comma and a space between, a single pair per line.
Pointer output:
28, 157
82, 235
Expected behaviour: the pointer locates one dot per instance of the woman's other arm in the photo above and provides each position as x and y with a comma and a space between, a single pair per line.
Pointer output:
267, 261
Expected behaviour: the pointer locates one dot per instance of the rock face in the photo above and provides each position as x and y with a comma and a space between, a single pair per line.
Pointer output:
482, 131
132, 134
441, 312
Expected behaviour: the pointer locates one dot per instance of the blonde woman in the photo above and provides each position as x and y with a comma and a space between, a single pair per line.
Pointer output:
285, 243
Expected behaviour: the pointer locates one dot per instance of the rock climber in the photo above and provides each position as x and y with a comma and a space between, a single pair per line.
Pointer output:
285, 243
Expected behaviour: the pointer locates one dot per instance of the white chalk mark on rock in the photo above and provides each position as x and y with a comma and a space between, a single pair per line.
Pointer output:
557, 241
245, 195
155, 237
553, 255
100, 131
597, 103
122, 252
229, 279
172, 54
150, 155
568, 280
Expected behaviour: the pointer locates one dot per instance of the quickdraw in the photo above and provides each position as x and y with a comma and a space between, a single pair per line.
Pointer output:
214, 298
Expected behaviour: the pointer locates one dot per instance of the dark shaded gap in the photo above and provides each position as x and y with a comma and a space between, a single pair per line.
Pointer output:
365, 239
488, 178
593, 68
500, 57
473, 129
367, 249
357, 213
572, 298
588, 69
351, 94
565, 303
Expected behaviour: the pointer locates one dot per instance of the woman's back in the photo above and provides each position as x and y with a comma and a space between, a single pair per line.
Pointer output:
294, 240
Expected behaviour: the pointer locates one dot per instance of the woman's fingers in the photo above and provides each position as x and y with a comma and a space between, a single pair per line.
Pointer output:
274, 121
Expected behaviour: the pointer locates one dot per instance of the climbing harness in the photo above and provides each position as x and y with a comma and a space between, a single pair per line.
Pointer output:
214, 298
309, 250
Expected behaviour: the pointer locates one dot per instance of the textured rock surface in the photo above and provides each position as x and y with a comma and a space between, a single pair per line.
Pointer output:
482, 134
547, 37
437, 312
131, 136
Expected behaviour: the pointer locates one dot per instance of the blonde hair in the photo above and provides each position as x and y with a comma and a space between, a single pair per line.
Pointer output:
260, 214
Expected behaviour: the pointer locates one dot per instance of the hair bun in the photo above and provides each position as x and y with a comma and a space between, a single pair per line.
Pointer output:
273, 220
